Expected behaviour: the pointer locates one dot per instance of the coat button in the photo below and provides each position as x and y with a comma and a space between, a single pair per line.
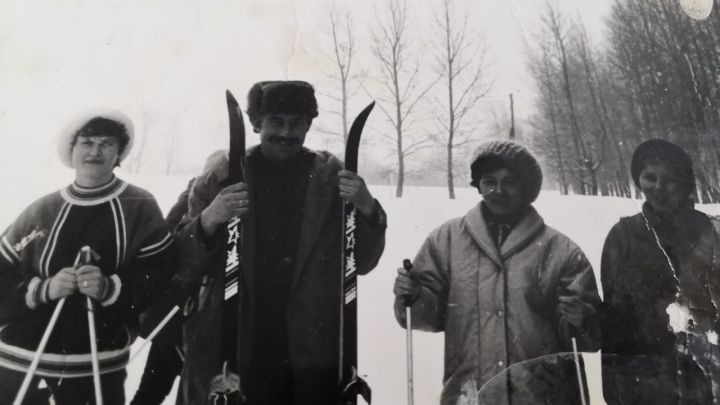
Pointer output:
286, 262
501, 363
500, 313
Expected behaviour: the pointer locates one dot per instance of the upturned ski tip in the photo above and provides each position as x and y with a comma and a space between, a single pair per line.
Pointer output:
353, 138
368, 108
231, 99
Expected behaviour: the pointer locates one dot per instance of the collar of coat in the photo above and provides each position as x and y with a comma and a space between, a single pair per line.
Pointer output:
679, 230
524, 232
685, 213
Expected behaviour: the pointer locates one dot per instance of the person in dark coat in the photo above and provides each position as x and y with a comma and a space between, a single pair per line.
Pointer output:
165, 360
290, 205
659, 273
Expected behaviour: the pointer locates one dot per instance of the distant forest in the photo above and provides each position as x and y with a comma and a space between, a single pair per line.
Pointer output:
656, 75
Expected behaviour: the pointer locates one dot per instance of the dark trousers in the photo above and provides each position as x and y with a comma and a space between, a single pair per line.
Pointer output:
64, 391
274, 383
648, 380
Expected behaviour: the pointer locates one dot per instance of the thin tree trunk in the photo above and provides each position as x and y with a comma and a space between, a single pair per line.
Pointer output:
451, 187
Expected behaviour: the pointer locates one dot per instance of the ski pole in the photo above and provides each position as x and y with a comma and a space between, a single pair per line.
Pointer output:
86, 258
155, 331
38, 353
94, 352
407, 265
579, 374
20, 397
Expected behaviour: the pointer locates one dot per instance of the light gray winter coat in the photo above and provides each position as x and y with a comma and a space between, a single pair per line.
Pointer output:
498, 307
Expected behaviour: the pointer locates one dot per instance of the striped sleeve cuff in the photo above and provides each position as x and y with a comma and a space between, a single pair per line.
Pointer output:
8, 251
37, 292
112, 290
156, 247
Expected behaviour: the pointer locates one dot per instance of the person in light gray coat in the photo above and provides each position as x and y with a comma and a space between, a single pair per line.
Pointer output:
505, 288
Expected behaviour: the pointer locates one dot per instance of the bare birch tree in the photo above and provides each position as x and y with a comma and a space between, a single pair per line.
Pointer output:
343, 49
462, 63
400, 81
587, 160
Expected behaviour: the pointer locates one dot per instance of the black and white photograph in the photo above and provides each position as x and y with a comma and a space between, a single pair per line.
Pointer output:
323, 202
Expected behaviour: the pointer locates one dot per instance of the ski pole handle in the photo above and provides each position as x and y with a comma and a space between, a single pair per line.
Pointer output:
408, 266
85, 255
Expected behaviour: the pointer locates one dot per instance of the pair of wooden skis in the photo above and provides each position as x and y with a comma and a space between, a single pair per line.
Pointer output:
226, 385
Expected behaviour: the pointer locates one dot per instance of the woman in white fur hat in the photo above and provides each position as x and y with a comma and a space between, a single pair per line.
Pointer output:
123, 226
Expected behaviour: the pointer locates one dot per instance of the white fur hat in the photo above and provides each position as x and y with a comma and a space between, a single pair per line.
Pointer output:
65, 140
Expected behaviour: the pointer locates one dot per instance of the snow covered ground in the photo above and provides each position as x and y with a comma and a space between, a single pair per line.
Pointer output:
586, 220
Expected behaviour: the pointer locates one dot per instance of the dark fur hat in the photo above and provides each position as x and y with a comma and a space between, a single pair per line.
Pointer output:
289, 97
661, 151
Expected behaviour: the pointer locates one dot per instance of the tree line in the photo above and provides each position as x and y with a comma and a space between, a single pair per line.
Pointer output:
654, 74
426, 93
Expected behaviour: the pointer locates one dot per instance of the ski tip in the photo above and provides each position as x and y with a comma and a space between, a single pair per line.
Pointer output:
230, 98
362, 117
358, 124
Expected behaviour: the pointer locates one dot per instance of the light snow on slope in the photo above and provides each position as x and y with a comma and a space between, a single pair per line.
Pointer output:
586, 220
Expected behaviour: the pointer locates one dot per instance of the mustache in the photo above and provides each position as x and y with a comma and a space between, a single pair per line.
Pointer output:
280, 139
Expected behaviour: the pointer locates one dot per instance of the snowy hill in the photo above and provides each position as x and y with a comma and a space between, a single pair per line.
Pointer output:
586, 220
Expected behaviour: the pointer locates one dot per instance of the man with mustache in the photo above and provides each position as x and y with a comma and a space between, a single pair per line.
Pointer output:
504, 288
290, 204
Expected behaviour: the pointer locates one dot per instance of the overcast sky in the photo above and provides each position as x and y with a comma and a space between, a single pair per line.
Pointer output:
167, 63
